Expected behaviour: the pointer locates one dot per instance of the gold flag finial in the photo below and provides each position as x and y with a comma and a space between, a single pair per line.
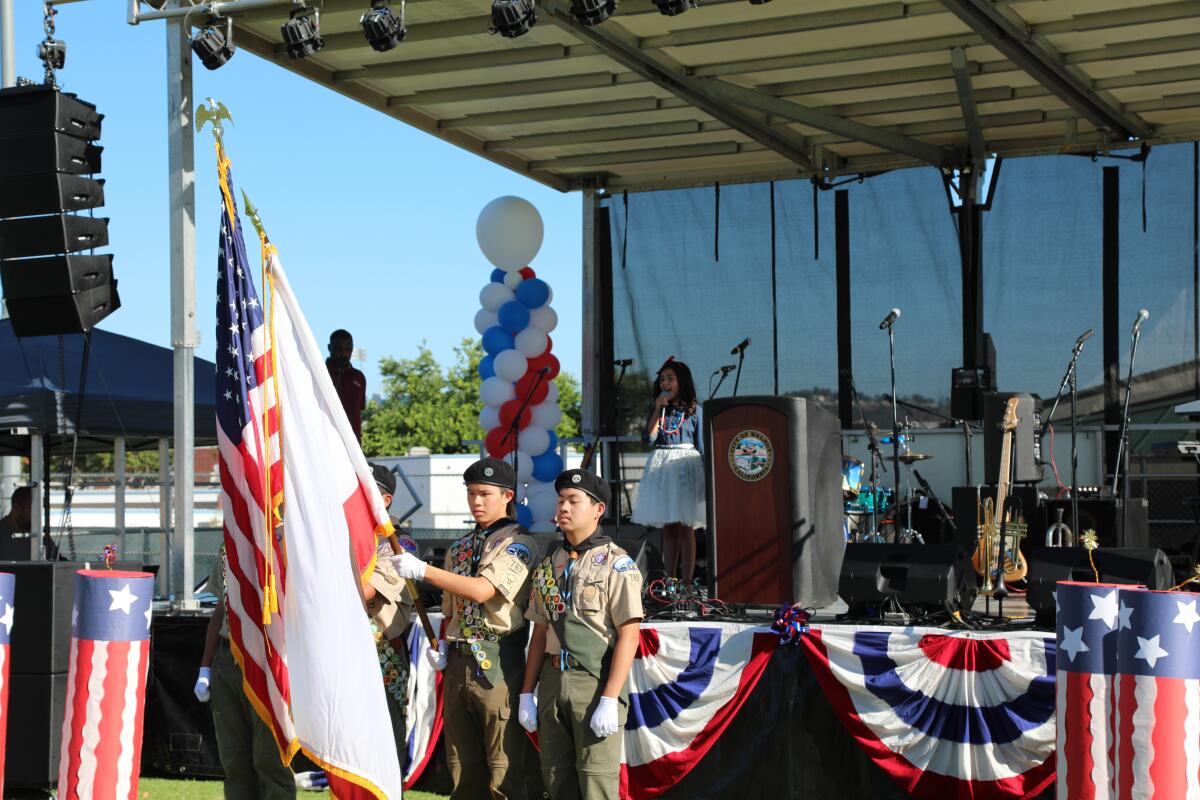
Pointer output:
252, 213
214, 112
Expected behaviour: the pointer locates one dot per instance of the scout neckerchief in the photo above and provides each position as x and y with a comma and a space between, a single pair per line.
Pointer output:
575, 638
483, 641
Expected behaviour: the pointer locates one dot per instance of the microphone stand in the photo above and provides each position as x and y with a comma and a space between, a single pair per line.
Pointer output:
876, 456
737, 379
514, 427
724, 375
895, 427
1070, 379
1123, 447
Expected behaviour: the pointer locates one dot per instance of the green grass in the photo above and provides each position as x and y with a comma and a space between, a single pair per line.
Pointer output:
180, 789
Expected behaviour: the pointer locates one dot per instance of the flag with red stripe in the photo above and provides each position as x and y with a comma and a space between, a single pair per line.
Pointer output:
8, 583
106, 686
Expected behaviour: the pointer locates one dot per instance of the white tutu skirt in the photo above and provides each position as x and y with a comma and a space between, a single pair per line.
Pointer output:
672, 489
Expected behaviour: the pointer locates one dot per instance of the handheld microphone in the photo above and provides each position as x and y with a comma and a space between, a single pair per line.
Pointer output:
1142, 316
742, 345
1086, 335
892, 316
728, 368
623, 362
543, 371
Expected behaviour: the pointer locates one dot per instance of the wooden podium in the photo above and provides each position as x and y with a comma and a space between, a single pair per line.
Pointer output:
774, 491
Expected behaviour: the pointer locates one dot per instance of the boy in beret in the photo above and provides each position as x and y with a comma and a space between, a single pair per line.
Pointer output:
586, 610
485, 580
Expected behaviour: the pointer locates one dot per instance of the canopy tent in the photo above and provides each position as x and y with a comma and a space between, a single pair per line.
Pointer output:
127, 392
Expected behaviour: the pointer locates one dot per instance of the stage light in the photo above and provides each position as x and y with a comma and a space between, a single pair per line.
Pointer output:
592, 12
672, 7
302, 32
513, 18
383, 29
214, 47
52, 53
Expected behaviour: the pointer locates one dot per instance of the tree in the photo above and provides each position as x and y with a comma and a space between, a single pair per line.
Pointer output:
423, 405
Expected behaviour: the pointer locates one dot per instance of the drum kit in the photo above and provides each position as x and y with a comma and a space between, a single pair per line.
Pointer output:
864, 502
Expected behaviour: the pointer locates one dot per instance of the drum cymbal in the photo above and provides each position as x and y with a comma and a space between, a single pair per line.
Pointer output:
912, 458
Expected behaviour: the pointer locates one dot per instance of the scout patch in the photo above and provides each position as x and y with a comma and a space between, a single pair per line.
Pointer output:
600, 558
624, 564
520, 551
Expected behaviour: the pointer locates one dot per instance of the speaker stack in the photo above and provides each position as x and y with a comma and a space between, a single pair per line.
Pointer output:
1048, 566
927, 577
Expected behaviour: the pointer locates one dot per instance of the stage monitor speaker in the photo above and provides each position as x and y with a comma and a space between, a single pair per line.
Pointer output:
1026, 447
1103, 515
1048, 566
774, 478
931, 576
644, 546
36, 704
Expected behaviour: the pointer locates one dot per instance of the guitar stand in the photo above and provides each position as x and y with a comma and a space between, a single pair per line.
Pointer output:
1012, 502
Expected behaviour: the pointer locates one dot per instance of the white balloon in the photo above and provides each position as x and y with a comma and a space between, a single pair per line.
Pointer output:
550, 296
489, 417
494, 295
551, 393
543, 505
495, 392
531, 342
513, 279
533, 440
542, 527
539, 488
545, 415
545, 319
510, 365
509, 231
524, 466
485, 319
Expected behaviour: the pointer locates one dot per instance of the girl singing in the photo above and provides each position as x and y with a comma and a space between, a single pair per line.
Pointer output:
671, 495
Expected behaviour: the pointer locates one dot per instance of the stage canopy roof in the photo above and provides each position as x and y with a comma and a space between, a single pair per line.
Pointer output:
733, 92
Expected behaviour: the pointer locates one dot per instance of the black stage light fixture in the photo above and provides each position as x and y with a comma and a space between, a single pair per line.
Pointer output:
513, 18
53, 53
214, 47
592, 12
383, 29
302, 32
670, 8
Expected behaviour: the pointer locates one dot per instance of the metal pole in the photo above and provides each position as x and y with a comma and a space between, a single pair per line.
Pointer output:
37, 469
182, 190
591, 318
164, 516
119, 491
895, 429
8, 48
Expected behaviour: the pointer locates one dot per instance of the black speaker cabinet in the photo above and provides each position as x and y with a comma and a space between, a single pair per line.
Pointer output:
41, 634
1049, 565
36, 704
930, 576
1026, 446
774, 486
1103, 515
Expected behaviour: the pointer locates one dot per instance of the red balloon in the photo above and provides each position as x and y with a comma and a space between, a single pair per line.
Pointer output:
507, 412
492, 442
546, 359
527, 273
526, 383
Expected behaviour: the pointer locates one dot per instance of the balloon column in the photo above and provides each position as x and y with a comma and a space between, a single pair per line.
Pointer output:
515, 322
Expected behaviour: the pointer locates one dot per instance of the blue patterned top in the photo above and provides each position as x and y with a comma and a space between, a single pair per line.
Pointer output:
689, 432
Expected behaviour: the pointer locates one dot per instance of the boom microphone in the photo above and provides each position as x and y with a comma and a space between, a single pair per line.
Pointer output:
1142, 316
889, 319
742, 345
623, 362
728, 368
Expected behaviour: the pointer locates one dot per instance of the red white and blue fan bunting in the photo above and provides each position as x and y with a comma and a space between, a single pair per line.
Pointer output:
948, 715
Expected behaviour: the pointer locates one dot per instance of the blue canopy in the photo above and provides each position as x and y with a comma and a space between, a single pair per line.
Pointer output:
128, 391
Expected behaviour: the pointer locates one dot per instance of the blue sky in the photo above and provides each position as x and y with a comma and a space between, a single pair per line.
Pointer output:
375, 220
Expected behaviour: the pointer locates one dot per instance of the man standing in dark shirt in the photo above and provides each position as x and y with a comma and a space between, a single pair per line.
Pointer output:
351, 385
19, 520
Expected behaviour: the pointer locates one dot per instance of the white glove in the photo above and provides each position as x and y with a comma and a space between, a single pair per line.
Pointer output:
203, 694
604, 721
528, 712
408, 566
437, 657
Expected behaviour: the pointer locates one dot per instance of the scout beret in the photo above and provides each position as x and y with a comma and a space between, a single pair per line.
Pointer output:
385, 479
586, 482
494, 471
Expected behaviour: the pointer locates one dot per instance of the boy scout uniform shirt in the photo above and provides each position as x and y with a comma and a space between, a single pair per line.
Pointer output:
391, 608
606, 593
216, 585
507, 559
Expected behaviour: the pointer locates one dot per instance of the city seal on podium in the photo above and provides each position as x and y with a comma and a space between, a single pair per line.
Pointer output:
751, 455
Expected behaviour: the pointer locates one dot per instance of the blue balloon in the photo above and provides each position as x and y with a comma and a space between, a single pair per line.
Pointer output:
514, 317
498, 275
486, 367
524, 515
553, 442
533, 293
547, 466
496, 339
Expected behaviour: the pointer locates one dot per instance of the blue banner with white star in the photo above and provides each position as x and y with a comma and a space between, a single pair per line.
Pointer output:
112, 606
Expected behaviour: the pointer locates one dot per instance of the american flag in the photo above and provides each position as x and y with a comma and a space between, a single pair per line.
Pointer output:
106, 685
1129, 707
246, 416
8, 584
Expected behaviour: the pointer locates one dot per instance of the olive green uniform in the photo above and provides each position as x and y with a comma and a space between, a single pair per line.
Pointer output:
391, 616
605, 593
249, 755
485, 744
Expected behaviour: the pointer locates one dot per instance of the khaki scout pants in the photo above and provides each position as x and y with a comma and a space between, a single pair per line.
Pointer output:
575, 762
249, 755
485, 743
